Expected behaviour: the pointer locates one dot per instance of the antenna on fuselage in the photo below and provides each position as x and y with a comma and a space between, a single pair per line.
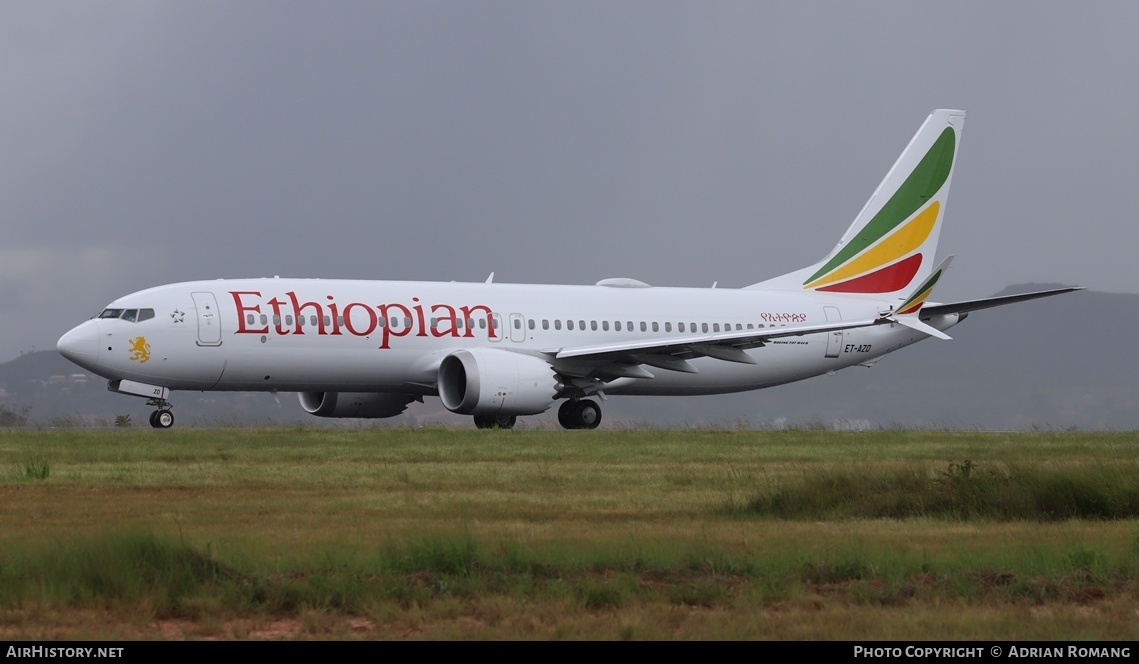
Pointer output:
490, 279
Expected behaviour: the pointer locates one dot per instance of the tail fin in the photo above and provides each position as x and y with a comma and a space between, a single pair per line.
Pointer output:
889, 248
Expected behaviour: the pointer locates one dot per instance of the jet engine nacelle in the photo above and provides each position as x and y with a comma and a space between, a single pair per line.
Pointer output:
354, 404
488, 381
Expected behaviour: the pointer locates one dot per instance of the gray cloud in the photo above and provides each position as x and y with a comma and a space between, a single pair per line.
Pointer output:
679, 143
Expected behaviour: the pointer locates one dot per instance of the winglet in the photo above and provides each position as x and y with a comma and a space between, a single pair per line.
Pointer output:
907, 313
913, 303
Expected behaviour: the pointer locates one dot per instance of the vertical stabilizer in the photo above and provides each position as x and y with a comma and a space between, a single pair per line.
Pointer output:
889, 249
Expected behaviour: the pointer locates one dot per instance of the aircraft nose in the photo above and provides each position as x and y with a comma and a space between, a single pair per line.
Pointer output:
81, 344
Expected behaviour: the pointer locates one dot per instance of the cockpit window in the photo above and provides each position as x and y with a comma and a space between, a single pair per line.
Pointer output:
129, 315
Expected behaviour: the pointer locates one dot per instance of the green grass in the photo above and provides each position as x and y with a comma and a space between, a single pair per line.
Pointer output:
961, 490
439, 533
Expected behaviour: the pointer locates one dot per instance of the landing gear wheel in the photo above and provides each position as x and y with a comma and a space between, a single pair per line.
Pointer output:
566, 416
162, 419
587, 414
584, 414
495, 421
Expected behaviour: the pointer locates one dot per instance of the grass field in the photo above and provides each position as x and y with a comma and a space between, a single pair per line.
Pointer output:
679, 534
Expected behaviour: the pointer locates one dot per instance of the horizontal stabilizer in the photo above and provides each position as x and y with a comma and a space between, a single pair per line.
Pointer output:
989, 302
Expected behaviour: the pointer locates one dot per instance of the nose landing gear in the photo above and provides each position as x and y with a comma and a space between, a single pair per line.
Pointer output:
161, 418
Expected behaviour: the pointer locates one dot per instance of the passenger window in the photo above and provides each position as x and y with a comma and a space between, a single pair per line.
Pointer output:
656, 326
545, 324
605, 325
327, 321
569, 324
668, 326
248, 319
593, 325
312, 320
289, 320
517, 324
629, 326
276, 320
617, 326
530, 323
644, 328
715, 327
557, 323
704, 327
264, 319
482, 323
581, 325
680, 327
434, 323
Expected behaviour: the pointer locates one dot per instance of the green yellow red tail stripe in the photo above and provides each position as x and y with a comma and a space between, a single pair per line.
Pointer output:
887, 251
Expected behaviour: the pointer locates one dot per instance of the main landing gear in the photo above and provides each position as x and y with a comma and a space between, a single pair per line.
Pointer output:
581, 414
573, 414
495, 421
161, 418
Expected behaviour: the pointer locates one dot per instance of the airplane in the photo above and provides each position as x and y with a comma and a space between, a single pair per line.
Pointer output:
498, 351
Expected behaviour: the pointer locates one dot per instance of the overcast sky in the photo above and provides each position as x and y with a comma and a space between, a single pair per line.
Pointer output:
680, 143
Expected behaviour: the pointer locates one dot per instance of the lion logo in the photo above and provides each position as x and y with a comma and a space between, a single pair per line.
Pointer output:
140, 350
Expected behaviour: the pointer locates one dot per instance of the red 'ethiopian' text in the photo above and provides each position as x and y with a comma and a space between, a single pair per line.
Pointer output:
357, 318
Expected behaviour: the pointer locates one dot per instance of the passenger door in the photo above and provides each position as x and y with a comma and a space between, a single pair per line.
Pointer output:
209, 319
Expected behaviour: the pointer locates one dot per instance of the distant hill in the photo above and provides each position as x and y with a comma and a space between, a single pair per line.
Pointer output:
1062, 362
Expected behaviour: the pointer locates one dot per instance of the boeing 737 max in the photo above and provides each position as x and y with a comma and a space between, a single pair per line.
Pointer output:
497, 351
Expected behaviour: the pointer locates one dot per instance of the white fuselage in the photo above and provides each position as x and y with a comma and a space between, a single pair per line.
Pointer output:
379, 336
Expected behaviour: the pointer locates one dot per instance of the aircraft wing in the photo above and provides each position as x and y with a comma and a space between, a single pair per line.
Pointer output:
989, 302
672, 353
